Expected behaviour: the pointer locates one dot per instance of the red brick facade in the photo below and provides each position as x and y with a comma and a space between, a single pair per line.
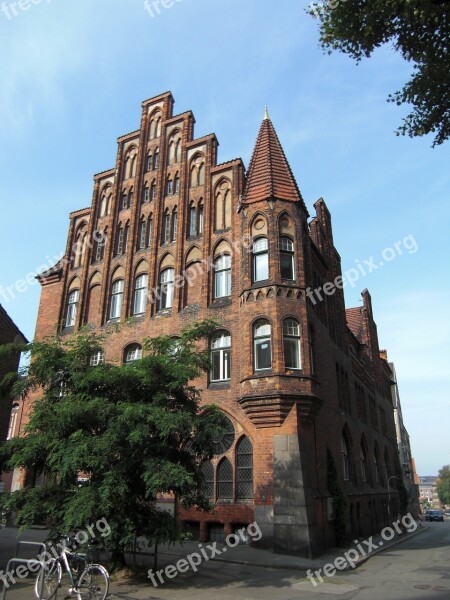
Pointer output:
303, 389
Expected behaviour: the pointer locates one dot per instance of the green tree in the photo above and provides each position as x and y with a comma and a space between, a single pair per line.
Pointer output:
132, 431
419, 30
443, 485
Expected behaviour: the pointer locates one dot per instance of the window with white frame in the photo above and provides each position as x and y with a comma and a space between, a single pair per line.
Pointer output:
220, 356
222, 276
291, 343
116, 299
140, 294
260, 260
166, 288
262, 345
72, 308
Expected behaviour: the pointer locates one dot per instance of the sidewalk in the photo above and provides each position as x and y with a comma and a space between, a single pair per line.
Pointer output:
252, 557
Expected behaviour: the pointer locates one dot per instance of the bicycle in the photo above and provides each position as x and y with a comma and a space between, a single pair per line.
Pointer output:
89, 581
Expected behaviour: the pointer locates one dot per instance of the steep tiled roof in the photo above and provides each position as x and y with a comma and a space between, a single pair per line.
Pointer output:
355, 322
269, 174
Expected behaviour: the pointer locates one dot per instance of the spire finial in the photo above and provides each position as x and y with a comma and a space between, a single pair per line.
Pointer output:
266, 114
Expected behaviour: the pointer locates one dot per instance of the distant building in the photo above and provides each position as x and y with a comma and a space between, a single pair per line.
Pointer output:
407, 464
174, 236
428, 491
9, 410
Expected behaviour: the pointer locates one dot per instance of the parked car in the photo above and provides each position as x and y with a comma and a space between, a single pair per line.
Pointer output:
434, 515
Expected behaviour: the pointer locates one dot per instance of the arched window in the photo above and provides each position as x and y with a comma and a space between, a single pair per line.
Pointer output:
286, 258
345, 452
132, 165
208, 479
363, 462
291, 341
156, 159
13, 421
72, 308
193, 177
174, 224
155, 126
124, 204
142, 234
225, 482
169, 186
140, 294
116, 299
244, 469
227, 209
103, 205
126, 235
166, 230
79, 248
220, 356
176, 184
262, 345
98, 358
130, 199
146, 195
153, 191
149, 162
119, 245
132, 352
222, 276
192, 220
100, 246
260, 259
158, 127
166, 284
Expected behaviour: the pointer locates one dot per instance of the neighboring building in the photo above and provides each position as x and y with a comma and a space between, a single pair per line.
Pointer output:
9, 409
404, 446
188, 238
428, 492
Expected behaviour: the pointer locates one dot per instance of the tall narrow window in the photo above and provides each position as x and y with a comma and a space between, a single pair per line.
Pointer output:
376, 464
142, 234
222, 276
13, 421
345, 459
119, 247
100, 247
174, 224
146, 195
225, 480
208, 479
158, 127
200, 219
130, 199
166, 232
176, 184
260, 260
169, 187
153, 191
116, 299
286, 258
262, 342
72, 308
312, 362
156, 159
363, 462
149, 162
201, 175
132, 352
192, 220
124, 201
244, 469
166, 289
140, 294
177, 151
220, 356
126, 235
291, 340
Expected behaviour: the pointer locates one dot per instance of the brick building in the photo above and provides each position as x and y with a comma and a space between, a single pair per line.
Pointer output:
9, 409
174, 236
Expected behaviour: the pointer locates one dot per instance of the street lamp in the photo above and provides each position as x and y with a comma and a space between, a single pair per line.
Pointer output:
389, 492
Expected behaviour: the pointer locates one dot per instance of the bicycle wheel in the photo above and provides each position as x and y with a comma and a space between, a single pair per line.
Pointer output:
52, 578
93, 583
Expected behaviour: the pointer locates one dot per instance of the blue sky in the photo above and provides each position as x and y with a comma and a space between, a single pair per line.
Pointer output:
72, 79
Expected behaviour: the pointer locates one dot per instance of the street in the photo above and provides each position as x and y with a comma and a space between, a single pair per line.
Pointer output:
416, 569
